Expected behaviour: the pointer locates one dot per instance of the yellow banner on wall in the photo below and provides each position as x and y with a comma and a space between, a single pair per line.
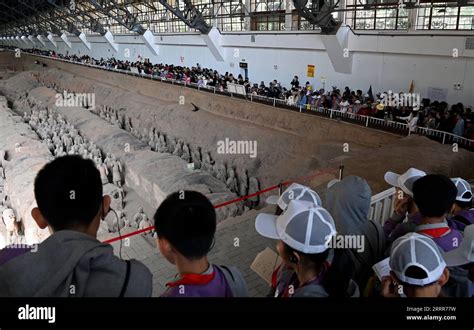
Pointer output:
311, 70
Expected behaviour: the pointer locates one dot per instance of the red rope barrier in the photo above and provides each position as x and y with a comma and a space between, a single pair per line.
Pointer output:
144, 230
285, 183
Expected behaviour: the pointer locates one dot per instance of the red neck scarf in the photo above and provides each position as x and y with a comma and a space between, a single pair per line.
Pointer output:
192, 279
434, 230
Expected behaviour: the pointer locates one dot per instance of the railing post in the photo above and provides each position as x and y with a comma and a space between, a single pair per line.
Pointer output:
330, 116
274, 101
444, 137
300, 107
367, 122
341, 171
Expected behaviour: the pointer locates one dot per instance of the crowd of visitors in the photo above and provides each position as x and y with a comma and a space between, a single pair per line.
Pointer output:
407, 108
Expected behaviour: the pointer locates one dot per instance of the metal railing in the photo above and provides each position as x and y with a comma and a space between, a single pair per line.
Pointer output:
361, 120
382, 205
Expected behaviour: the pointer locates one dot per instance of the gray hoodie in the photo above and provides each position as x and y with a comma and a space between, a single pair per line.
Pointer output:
73, 264
348, 201
318, 291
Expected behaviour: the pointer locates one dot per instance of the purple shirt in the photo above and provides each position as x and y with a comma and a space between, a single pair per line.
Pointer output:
462, 219
447, 241
283, 278
217, 287
8, 253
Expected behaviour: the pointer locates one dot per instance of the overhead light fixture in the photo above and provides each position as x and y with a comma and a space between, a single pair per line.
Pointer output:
97, 28
73, 30
410, 3
137, 28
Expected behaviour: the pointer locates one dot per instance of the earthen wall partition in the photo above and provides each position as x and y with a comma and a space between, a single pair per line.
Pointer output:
305, 125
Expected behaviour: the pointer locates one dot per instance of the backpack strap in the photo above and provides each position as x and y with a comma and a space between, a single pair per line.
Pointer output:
374, 250
381, 243
127, 278
235, 281
376, 247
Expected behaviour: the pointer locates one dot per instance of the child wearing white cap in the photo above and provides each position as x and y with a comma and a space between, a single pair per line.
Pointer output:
295, 192
304, 231
462, 212
417, 268
405, 207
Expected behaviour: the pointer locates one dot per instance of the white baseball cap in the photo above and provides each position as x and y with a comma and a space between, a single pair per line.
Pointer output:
464, 254
404, 181
305, 227
419, 251
295, 192
464, 190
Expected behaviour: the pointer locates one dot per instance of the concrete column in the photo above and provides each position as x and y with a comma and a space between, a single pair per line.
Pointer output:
337, 48
247, 18
66, 40
51, 39
149, 39
109, 37
41, 40
86, 43
288, 18
213, 41
412, 19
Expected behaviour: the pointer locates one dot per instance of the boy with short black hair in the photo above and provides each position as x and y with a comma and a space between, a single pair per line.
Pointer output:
434, 196
72, 262
185, 224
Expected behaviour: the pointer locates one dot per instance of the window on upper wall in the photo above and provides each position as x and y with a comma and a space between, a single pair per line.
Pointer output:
268, 15
230, 16
376, 15
445, 16
268, 21
466, 18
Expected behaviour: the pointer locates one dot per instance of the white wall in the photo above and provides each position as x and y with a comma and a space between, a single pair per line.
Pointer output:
383, 61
